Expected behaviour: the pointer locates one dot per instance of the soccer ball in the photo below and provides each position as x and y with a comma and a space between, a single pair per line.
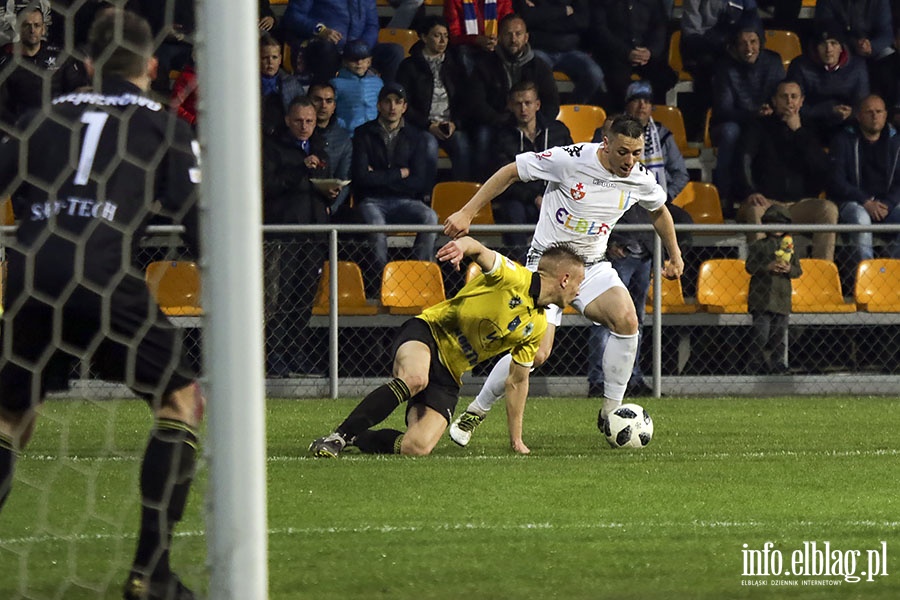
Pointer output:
629, 426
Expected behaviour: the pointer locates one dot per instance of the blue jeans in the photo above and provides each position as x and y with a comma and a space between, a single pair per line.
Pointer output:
635, 274
397, 211
458, 149
853, 213
404, 13
584, 72
725, 136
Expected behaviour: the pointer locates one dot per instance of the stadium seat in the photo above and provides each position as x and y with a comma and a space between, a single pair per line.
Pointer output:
6, 212
351, 291
672, 298
582, 120
675, 56
286, 63
878, 285
673, 120
707, 121
176, 286
701, 201
722, 286
818, 289
785, 43
410, 286
447, 197
405, 37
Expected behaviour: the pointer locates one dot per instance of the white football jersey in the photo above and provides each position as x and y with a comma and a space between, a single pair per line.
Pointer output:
583, 201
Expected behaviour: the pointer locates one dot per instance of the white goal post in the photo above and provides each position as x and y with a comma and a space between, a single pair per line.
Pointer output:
233, 336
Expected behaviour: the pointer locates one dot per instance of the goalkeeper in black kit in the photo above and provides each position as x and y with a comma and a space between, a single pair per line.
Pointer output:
93, 169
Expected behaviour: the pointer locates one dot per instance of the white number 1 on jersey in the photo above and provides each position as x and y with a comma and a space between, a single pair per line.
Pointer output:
95, 121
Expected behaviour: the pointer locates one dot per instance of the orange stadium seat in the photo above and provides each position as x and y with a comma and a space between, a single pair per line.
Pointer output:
785, 43
675, 56
878, 285
447, 197
818, 289
701, 201
176, 286
672, 298
722, 286
6, 212
405, 37
582, 120
410, 286
673, 120
351, 292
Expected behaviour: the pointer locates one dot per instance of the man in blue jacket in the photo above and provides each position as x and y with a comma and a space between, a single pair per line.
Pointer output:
318, 29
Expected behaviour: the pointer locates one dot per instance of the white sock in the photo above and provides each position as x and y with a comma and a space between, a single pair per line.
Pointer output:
494, 387
618, 361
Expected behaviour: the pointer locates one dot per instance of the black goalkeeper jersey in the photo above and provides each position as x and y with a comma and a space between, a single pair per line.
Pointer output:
96, 167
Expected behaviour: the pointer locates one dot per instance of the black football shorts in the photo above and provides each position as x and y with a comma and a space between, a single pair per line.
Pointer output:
442, 391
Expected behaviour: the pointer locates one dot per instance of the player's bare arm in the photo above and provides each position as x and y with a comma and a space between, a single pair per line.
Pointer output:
665, 227
458, 223
516, 394
455, 250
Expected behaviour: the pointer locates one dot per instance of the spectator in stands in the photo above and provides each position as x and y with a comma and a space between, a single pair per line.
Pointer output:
782, 164
865, 175
555, 28
526, 130
338, 144
892, 92
707, 26
631, 255
356, 86
10, 10
832, 78
405, 12
772, 264
292, 263
278, 87
494, 74
318, 30
661, 154
435, 82
29, 66
267, 19
474, 26
174, 23
743, 87
630, 39
389, 175
184, 94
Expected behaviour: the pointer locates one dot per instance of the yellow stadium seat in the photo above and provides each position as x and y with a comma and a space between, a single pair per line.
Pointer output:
582, 120
675, 56
405, 37
410, 286
672, 298
818, 289
176, 286
707, 138
447, 197
701, 201
6, 212
722, 286
286, 63
878, 285
351, 291
785, 43
673, 120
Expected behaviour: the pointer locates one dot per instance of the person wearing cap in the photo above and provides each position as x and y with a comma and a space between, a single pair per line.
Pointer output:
629, 38
865, 175
318, 30
780, 162
833, 79
868, 29
771, 263
356, 86
390, 176
742, 91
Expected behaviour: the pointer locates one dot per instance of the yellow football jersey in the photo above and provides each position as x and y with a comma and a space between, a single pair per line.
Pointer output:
493, 313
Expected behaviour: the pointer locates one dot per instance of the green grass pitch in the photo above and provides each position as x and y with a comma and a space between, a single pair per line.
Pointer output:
575, 520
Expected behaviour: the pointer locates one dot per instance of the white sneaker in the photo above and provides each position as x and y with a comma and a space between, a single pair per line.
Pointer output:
461, 429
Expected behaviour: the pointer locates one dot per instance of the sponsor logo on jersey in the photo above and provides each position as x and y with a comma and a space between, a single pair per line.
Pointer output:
466, 347
528, 329
74, 207
574, 151
516, 301
577, 192
514, 324
580, 225
604, 184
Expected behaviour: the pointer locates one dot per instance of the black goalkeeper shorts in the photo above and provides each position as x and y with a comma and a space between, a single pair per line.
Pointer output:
442, 391
120, 332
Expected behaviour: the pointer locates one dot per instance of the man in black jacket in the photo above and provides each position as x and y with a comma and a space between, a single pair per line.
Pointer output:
526, 130
494, 74
783, 163
389, 172
290, 162
435, 79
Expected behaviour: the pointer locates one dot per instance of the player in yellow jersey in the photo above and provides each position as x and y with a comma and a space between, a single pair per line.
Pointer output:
501, 310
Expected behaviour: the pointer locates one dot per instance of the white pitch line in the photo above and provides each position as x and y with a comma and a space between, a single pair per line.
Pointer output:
450, 527
480, 457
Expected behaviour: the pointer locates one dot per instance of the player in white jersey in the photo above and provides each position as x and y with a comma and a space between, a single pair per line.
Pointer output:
589, 187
